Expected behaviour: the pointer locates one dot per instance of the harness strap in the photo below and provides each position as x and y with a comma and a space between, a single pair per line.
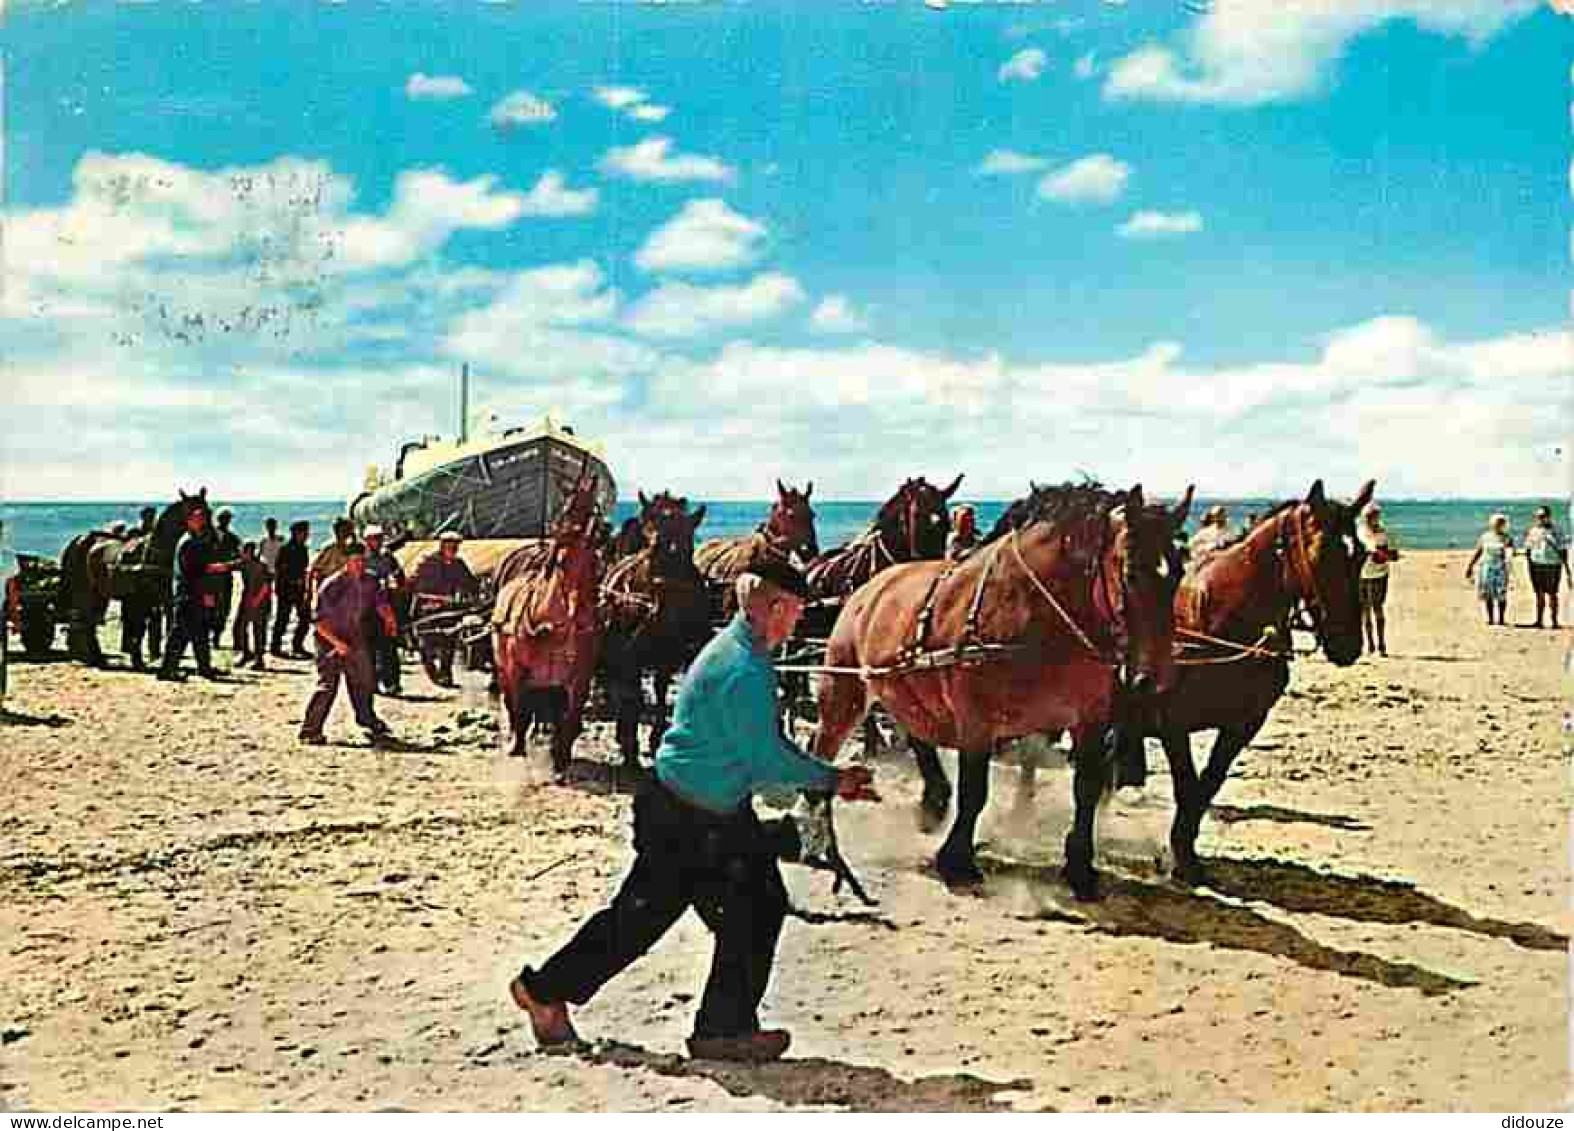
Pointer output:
1044, 592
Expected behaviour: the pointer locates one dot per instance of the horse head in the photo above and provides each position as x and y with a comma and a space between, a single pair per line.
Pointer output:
1317, 544
1142, 557
914, 521
668, 529
171, 522
790, 526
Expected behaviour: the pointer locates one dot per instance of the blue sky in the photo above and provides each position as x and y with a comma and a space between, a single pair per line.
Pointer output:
250, 245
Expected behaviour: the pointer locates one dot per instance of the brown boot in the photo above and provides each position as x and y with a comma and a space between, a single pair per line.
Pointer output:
756, 1048
549, 1023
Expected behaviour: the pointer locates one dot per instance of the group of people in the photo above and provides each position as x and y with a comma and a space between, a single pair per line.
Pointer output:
347, 597
1546, 554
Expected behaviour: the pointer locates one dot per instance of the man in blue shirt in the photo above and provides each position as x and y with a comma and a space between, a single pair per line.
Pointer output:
698, 842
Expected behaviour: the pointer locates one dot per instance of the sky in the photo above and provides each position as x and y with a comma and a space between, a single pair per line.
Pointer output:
1241, 244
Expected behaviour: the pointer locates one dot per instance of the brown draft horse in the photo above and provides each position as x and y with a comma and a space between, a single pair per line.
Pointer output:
787, 532
1233, 669
546, 631
657, 617
1053, 612
97, 568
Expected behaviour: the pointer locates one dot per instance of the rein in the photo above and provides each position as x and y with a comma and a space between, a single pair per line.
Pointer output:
1043, 591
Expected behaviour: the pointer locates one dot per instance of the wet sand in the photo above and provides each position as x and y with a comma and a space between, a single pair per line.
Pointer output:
197, 912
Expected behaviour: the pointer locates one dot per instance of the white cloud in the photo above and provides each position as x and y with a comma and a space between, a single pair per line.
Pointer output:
520, 110
551, 196
680, 310
1096, 179
428, 207
1025, 66
1154, 225
1250, 52
1085, 67
631, 101
705, 235
654, 160
835, 315
435, 88
1008, 162
619, 97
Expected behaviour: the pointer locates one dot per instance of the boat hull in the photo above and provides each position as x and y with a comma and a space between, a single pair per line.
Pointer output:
508, 491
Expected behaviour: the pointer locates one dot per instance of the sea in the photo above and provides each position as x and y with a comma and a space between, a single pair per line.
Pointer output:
1422, 524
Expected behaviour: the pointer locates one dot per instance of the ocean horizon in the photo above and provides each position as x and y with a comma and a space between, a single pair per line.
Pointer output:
45, 527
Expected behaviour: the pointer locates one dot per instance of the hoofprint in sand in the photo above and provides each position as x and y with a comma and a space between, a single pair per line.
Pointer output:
197, 912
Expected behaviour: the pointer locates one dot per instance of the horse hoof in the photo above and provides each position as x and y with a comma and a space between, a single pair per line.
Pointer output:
1192, 875
959, 875
1084, 885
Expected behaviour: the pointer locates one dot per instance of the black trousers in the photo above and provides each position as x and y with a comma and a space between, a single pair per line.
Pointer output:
224, 589
723, 867
189, 624
292, 598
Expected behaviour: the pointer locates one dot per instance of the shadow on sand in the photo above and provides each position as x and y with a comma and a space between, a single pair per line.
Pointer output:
1161, 910
1365, 899
17, 719
818, 1082
1232, 814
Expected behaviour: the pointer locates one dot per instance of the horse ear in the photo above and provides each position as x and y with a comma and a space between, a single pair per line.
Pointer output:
699, 517
1359, 503
951, 490
202, 494
1185, 504
780, 490
1316, 496
643, 501
185, 498
1134, 498
809, 490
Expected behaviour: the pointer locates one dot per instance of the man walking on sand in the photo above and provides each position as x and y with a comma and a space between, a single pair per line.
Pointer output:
227, 546
345, 603
196, 564
698, 843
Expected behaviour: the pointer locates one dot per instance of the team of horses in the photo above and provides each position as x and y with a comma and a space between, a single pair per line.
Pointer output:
1076, 613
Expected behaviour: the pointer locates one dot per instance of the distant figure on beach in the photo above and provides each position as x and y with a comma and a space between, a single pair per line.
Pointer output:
250, 638
1548, 556
269, 545
383, 568
331, 558
442, 580
147, 520
1213, 534
289, 586
227, 546
964, 532
191, 621
344, 604
10, 602
1493, 550
1380, 554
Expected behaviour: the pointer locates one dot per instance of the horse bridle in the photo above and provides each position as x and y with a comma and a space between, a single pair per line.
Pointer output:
1296, 573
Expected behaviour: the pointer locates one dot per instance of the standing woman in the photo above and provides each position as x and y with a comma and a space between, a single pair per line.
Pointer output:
1549, 562
1492, 552
1380, 555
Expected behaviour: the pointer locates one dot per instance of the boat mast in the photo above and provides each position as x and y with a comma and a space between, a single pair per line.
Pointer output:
464, 403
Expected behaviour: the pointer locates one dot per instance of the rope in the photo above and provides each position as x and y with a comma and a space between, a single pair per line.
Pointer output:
1050, 597
1242, 651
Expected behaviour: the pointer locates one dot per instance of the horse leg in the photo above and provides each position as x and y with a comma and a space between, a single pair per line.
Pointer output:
936, 801
1189, 806
627, 699
134, 621
956, 862
1090, 782
556, 705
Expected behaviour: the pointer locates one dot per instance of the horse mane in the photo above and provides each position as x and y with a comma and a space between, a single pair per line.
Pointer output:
1066, 503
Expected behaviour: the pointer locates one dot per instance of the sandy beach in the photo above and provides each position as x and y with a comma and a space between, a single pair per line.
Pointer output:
196, 912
